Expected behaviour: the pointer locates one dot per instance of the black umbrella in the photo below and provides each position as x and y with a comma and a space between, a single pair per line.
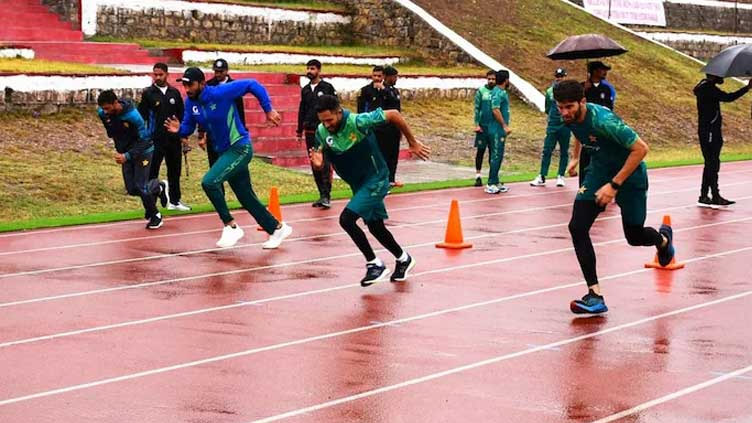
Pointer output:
587, 46
733, 61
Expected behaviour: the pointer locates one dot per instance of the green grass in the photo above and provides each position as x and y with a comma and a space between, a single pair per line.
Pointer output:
406, 69
654, 85
356, 50
45, 66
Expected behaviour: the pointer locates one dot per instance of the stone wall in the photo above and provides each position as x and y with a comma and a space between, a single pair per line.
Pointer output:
49, 102
702, 50
67, 9
196, 26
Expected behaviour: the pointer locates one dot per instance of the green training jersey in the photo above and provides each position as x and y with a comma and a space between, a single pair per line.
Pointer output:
352, 149
503, 102
486, 99
608, 140
552, 111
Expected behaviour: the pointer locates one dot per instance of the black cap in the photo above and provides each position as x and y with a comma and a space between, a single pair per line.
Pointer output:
560, 73
597, 65
390, 71
220, 64
192, 75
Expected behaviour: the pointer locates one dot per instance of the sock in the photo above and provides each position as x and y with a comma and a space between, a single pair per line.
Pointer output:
403, 257
377, 261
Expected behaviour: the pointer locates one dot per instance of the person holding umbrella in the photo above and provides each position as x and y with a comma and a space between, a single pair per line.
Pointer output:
709, 125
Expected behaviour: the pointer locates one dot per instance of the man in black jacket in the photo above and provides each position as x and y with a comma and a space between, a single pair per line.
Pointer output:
159, 102
709, 98
369, 98
388, 135
308, 121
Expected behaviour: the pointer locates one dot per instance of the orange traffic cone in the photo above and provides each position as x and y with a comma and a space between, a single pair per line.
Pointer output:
674, 265
273, 207
453, 238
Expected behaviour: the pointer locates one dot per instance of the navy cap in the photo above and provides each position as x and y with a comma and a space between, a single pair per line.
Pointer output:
220, 64
192, 75
390, 71
597, 65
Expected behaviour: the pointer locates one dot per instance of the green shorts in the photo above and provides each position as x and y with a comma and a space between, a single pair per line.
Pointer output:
368, 199
632, 200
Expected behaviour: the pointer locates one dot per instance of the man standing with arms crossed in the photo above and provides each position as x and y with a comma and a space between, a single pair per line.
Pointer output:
308, 121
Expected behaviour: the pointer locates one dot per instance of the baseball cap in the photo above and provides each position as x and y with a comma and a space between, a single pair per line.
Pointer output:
220, 64
192, 75
560, 73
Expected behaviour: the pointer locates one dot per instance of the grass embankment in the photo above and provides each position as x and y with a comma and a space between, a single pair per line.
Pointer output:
38, 66
654, 84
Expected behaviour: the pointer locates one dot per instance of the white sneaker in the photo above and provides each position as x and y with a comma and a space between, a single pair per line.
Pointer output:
179, 206
503, 188
492, 189
560, 181
277, 237
538, 182
230, 236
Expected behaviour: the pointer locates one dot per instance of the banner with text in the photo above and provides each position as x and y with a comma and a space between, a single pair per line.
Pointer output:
639, 12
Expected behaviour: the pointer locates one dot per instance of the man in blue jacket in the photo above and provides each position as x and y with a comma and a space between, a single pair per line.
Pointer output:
214, 109
134, 153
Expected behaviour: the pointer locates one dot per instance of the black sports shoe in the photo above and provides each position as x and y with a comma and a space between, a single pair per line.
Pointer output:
666, 254
164, 193
317, 203
704, 201
374, 273
478, 182
401, 269
325, 202
719, 201
155, 222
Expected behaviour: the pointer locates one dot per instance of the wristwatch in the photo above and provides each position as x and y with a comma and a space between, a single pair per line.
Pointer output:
614, 185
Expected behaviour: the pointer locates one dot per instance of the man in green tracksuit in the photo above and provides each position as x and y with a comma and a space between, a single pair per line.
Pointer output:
489, 130
616, 172
556, 133
347, 141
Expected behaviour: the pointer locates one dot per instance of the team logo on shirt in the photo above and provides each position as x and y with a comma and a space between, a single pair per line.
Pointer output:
145, 163
213, 106
330, 141
320, 93
195, 110
593, 139
156, 104
353, 137
582, 189
172, 101
126, 124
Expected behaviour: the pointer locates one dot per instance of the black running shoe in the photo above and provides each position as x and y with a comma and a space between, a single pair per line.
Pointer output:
704, 201
325, 203
666, 254
317, 203
402, 268
719, 201
155, 222
374, 273
478, 182
164, 193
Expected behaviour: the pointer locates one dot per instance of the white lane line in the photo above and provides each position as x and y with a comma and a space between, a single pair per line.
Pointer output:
674, 395
327, 290
214, 359
297, 239
409, 194
302, 220
315, 219
308, 261
498, 359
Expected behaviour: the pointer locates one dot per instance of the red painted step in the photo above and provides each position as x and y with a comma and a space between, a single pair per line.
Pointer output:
38, 34
284, 130
286, 159
271, 145
279, 102
257, 116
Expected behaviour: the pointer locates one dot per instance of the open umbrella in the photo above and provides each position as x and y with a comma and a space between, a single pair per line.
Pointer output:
587, 46
732, 61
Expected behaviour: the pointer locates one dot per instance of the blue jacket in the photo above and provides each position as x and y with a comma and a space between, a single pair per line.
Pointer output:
128, 131
215, 111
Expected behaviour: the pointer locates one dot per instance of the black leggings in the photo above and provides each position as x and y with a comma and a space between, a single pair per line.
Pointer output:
584, 214
348, 220
479, 158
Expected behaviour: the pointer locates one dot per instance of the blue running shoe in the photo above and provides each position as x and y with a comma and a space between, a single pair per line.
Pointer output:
666, 254
589, 304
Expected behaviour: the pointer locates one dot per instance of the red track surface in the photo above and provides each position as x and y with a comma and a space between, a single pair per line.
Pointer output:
110, 323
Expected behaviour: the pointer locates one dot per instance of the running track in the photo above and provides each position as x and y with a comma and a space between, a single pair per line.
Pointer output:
109, 323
